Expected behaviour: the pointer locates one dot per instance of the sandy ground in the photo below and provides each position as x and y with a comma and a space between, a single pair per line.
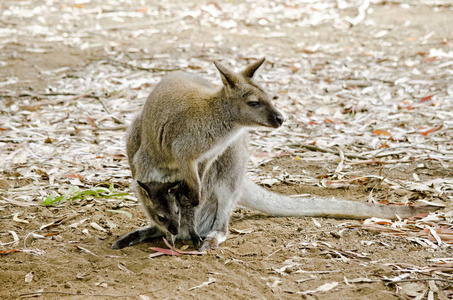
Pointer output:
264, 257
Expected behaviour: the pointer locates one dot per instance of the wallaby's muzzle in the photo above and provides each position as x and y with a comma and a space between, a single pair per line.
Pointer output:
276, 120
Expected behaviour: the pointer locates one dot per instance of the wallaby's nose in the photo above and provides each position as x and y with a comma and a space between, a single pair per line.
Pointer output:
173, 230
279, 119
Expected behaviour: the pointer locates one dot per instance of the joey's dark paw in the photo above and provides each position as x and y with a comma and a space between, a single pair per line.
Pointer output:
117, 245
197, 241
123, 243
194, 198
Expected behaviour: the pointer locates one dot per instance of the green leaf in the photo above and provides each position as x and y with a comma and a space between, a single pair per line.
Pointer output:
74, 193
49, 200
116, 195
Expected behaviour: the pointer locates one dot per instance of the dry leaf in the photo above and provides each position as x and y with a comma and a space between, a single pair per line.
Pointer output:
123, 268
155, 254
323, 288
317, 224
76, 224
29, 277
85, 250
432, 130
238, 231
361, 280
381, 132
54, 223
15, 218
37, 236
211, 280
97, 227
165, 251
15, 239
101, 284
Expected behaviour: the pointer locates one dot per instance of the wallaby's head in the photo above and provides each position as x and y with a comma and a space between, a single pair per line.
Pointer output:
163, 203
251, 105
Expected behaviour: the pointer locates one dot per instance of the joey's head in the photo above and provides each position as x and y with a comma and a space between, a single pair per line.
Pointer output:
248, 103
163, 205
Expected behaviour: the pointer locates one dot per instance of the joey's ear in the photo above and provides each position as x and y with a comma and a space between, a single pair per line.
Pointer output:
145, 189
229, 78
142, 185
251, 69
173, 188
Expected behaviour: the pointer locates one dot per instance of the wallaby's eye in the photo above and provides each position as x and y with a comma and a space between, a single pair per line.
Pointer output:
254, 104
161, 219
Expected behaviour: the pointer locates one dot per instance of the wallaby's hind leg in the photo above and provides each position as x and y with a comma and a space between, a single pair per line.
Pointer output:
137, 236
224, 197
224, 184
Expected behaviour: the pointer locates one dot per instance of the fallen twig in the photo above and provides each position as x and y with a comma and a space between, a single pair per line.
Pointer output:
326, 150
142, 68
341, 163
361, 15
380, 162
34, 294
56, 101
389, 281
211, 280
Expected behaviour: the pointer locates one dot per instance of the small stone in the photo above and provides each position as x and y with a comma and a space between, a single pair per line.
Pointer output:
401, 192
335, 234
289, 270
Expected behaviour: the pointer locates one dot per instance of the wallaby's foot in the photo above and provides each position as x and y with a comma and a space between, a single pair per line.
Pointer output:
210, 244
213, 240
136, 236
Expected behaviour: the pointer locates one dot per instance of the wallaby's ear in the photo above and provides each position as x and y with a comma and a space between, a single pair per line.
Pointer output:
145, 190
251, 69
228, 77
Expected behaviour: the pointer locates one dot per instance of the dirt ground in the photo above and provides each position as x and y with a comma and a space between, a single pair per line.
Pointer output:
52, 53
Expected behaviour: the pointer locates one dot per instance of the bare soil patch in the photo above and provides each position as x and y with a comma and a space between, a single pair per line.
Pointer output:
369, 116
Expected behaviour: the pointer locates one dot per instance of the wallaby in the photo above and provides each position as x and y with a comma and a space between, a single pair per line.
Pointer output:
186, 124
189, 130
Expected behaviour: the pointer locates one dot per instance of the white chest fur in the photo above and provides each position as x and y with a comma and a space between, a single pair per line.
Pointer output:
221, 146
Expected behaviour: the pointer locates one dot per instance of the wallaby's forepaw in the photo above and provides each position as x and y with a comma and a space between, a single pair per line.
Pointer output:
197, 240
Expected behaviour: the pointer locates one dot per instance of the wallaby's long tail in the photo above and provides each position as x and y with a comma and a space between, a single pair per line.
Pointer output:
260, 199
